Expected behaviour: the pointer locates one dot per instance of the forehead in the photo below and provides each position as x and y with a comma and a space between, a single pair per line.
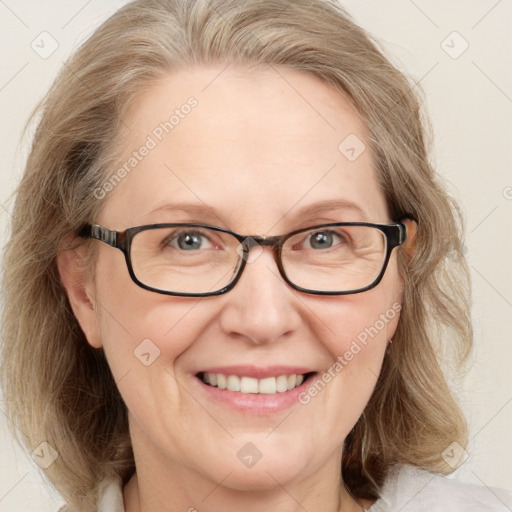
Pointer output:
253, 146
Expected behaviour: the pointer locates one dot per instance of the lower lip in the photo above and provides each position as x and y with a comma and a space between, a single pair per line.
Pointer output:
255, 403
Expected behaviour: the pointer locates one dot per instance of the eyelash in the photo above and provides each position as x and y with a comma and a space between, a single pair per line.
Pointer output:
168, 241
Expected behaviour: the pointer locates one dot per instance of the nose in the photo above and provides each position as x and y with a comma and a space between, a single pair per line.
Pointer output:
262, 307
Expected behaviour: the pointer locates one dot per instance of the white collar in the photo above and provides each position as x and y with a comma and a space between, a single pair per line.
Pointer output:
405, 485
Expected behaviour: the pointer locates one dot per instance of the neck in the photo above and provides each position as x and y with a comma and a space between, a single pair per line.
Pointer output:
170, 486
136, 500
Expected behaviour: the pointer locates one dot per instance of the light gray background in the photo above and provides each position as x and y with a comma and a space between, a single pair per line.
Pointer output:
470, 101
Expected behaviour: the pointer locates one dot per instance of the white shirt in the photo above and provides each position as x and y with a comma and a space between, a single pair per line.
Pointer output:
406, 489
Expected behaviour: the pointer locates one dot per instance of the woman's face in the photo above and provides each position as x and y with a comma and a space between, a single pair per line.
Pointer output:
257, 152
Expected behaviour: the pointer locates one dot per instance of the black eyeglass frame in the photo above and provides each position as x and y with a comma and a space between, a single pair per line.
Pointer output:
395, 234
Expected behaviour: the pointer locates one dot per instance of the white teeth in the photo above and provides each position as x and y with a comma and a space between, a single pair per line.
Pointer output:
248, 385
268, 386
233, 383
221, 381
282, 383
292, 381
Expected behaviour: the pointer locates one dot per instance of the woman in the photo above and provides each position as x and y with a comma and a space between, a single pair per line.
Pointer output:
239, 274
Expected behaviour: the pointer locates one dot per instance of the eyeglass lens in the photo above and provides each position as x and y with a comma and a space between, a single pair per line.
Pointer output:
191, 259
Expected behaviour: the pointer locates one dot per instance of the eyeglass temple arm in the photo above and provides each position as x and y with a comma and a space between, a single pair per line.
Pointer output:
99, 233
403, 233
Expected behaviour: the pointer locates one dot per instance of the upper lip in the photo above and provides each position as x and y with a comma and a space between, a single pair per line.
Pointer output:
258, 372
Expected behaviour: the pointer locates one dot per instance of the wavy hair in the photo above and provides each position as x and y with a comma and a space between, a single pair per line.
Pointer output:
60, 390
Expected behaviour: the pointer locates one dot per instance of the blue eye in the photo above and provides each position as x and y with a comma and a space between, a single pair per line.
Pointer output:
187, 240
323, 239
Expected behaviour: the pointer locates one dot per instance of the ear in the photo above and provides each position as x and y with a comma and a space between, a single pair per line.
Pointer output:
410, 243
72, 266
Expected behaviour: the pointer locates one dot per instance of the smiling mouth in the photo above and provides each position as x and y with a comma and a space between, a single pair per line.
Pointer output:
250, 385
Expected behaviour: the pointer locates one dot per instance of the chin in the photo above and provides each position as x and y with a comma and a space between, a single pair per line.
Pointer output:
269, 471
259, 480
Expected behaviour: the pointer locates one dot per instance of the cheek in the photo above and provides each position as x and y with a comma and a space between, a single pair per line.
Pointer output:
373, 312
130, 328
144, 337
356, 331
139, 327
356, 326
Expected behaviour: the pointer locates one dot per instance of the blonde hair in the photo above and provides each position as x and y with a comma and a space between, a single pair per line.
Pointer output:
60, 390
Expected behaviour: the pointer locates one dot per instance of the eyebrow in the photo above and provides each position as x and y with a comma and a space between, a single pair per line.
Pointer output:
203, 211
331, 204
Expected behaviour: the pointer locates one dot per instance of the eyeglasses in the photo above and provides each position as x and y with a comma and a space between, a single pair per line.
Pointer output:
198, 260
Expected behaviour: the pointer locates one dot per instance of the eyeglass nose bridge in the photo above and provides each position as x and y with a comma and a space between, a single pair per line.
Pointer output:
268, 241
250, 242
247, 243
